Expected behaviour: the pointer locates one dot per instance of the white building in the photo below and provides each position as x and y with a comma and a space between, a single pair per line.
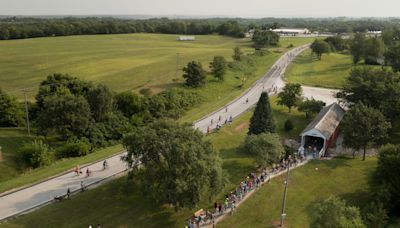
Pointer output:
186, 38
374, 33
291, 31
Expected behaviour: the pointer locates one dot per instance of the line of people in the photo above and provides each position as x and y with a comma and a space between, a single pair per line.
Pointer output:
83, 187
253, 181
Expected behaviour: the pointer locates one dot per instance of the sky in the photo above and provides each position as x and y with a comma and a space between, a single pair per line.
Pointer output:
231, 8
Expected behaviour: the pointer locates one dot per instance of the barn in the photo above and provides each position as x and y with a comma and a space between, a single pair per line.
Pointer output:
322, 132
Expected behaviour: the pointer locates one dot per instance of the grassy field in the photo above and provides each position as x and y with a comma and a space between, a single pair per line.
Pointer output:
217, 94
117, 209
79, 55
123, 62
330, 72
345, 178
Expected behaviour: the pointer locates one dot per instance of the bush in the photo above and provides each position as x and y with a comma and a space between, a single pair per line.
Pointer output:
288, 125
36, 154
266, 148
172, 103
73, 149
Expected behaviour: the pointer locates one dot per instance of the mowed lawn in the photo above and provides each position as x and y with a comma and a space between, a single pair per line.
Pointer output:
345, 178
215, 94
113, 205
330, 72
123, 62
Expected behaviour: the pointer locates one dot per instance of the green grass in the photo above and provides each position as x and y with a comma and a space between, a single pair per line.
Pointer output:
113, 208
345, 178
67, 54
123, 62
10, 140
330, 72
11, 176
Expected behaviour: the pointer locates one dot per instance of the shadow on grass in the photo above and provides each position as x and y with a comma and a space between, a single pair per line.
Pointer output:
335, 163
111, 205
360, 198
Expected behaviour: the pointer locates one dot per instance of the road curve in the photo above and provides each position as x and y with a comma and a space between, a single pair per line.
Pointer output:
28, 198
272, 79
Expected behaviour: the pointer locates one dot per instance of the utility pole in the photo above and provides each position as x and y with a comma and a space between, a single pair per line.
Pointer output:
27, 113
283, 215
177, 65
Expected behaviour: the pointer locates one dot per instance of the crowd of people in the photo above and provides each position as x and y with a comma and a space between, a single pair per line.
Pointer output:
252, 182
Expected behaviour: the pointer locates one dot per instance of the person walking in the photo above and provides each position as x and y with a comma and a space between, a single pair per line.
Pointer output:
105, 164
68, 193
87, 172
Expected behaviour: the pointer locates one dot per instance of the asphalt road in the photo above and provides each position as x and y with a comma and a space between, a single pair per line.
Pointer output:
272, 79
31, 197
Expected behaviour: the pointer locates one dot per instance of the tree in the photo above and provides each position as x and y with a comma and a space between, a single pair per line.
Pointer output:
320, 47
36, 154
262, 121
392, 58
218, 67
65, 115
386, 182
52, 85
237, 54
357, 47
194, 74
265, 38
288, 125
310, 107
334, 213
363, 126
368, 86
73, 149
266, 148
336, 43
100, 99
11, 114
290, 95
376, 215
176, 165
374, 49
129, 103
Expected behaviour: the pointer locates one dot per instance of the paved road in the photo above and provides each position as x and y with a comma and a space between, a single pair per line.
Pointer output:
272, 79
40, 194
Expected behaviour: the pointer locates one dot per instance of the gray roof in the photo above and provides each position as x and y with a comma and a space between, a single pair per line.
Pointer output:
327, 120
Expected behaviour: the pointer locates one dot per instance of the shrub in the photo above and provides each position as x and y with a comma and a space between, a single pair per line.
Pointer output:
36, 154
73, 149
266, 148
288, 125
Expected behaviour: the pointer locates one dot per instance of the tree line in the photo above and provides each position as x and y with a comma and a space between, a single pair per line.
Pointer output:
22, 28
85, 116
26, 27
